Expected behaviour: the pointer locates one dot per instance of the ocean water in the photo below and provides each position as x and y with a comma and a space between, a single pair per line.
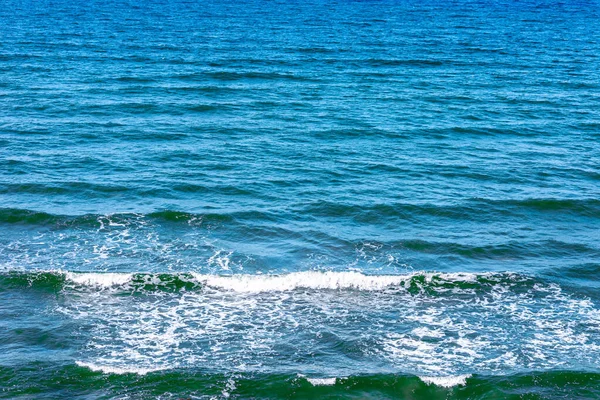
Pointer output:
299, 199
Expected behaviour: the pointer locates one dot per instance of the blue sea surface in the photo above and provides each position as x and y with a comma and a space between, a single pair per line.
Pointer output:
299, 199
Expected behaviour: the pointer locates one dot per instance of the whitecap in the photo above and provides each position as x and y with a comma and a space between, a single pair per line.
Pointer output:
107, 369
322, 381
104, 280
301, 280
446, 381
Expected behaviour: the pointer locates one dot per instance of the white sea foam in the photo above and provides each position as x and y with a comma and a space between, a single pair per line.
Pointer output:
108, 369
220, 259
314, 280
426, 332
296, 280
322, 381
445, 381
275, 283
103, 280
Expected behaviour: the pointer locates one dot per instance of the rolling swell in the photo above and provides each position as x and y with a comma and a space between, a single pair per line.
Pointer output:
470, 210
183, 237
475, 209
28, 217
75, 381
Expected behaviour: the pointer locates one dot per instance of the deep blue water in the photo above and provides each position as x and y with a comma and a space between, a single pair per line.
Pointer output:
299, 199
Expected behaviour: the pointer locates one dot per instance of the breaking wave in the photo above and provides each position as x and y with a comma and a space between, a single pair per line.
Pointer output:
426, 282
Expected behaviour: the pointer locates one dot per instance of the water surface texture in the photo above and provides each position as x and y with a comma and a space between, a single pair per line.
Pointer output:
299, 199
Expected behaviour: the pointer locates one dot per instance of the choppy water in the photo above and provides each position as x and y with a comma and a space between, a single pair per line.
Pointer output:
315, 199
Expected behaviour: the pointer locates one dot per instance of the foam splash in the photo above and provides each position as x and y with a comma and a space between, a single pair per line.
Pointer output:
299, 280
315, 280
258, 283
103, 280
107, 369
322, 381
446, 381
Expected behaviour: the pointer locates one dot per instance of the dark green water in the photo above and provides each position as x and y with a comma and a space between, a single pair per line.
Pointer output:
318, 199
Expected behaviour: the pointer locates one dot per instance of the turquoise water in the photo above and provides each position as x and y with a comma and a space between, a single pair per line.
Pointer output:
317, 199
